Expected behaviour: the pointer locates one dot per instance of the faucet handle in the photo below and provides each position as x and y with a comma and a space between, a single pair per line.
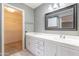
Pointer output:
60, 36
64, 37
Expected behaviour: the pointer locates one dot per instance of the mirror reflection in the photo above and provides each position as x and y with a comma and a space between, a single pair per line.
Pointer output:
62, 19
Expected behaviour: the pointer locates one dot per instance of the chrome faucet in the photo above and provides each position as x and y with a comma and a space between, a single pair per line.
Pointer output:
62, 36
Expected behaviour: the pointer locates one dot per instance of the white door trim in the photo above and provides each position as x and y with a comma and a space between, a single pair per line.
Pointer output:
23, 13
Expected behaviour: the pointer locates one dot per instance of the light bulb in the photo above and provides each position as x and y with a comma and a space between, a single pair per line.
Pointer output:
55, 6
50, 7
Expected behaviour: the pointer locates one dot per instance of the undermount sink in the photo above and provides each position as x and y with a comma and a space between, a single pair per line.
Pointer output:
67, 39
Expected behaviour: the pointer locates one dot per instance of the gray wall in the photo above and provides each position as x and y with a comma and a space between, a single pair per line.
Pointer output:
0, 29
29, 16
39, 19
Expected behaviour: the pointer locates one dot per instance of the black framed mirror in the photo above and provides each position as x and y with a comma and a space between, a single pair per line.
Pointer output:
62, 19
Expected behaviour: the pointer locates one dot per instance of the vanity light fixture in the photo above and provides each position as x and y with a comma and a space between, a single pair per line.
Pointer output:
50, 8
56, 5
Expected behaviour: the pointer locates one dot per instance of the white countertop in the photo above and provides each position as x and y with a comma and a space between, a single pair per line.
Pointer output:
72, 40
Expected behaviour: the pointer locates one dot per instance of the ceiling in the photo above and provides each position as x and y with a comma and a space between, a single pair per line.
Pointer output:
33, 5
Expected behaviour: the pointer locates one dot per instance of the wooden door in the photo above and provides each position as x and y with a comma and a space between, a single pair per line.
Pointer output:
12, 30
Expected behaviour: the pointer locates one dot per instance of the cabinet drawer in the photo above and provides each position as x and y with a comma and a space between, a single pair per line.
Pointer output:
39, 53
34, 41
40, 47
41, 43
65, 51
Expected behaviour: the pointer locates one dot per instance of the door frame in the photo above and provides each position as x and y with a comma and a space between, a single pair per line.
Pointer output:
23, 27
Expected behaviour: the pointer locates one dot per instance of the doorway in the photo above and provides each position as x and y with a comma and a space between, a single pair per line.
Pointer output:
13, 30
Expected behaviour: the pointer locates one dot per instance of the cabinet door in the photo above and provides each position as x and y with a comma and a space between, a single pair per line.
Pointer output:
50, 48
65, 51
33, 45
40, 47
28, 42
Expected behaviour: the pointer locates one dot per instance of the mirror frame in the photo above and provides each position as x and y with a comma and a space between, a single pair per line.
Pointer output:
74, 6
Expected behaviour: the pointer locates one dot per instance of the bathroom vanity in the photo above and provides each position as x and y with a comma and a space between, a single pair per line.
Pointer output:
41, 44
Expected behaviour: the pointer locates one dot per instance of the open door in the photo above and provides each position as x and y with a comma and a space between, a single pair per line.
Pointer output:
13, 30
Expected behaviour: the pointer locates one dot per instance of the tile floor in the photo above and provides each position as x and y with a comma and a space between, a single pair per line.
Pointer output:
23, 53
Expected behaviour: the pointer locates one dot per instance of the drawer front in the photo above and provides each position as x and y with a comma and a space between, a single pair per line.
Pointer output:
40, 53
65, 51
34, 41
41, 43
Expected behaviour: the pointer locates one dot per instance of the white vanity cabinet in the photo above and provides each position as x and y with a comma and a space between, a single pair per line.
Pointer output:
50, 48
65, 51
35, 45
40, 47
